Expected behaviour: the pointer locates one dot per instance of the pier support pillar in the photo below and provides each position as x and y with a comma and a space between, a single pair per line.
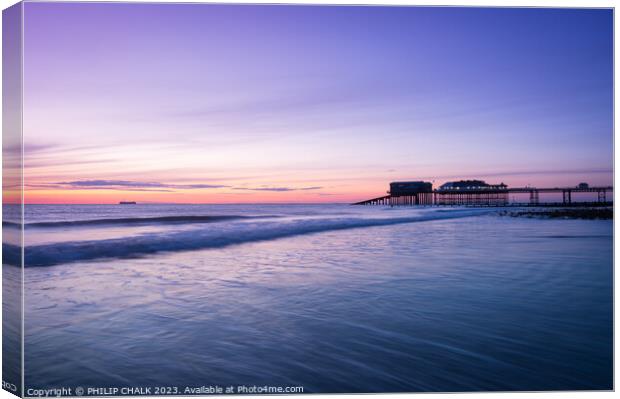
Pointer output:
533, 197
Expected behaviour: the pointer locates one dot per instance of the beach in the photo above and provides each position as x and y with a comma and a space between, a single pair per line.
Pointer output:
332, 298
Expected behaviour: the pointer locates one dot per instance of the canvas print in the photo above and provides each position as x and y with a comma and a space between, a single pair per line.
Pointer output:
295, 199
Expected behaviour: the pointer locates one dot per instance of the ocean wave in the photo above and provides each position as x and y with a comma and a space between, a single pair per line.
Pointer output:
136, 220
224, 235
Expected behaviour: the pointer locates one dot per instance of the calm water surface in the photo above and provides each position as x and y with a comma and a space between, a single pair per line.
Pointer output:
331, 298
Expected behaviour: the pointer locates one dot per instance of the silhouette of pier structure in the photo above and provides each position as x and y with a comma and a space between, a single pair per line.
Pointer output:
480, 193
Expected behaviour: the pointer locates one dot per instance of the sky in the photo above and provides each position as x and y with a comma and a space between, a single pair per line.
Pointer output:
196, 103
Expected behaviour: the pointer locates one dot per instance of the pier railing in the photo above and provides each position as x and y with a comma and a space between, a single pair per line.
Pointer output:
490, 197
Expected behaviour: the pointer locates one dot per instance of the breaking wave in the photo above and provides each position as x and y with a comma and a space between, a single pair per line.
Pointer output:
136, 220
216, 236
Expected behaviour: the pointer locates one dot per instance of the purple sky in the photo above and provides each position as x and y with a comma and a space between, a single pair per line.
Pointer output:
221, 103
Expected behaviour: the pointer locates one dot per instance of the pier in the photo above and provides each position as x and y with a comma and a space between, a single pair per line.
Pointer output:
480, 193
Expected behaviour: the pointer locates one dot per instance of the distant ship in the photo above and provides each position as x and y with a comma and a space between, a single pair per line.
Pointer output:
127, 203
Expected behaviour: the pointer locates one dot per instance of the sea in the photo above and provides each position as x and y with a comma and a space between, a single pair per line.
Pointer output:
329, 298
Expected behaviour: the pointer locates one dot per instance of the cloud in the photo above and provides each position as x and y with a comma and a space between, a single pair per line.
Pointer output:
279, 189
29, 148
198, 186
550, 172
132, 185
506, 173
43, 163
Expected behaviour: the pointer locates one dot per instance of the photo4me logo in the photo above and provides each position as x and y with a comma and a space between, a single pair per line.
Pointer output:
268, 389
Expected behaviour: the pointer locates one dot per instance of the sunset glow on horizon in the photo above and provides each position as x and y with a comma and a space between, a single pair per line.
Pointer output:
191, 103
